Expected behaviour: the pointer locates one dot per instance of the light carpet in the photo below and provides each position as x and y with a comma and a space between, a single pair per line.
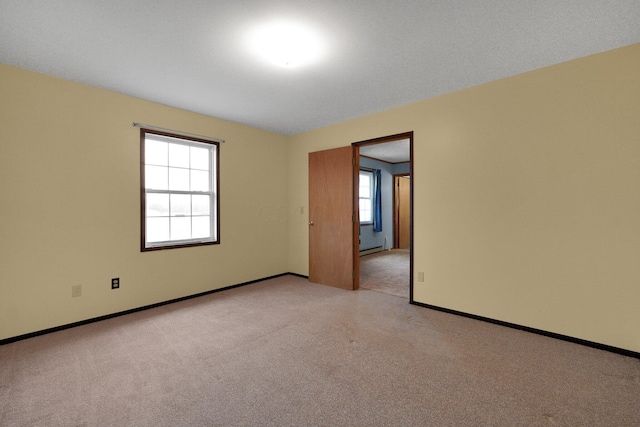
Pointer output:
387, 272
286, 352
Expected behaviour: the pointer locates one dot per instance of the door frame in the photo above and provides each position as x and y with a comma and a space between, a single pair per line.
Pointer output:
356, 224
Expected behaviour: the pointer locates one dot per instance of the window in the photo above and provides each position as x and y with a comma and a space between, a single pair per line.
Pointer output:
366, 197
179, 196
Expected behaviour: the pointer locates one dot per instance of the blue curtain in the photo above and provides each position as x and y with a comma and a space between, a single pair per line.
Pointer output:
377, 201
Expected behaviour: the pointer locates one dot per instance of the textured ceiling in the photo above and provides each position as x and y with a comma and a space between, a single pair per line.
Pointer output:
390, 152
380, 54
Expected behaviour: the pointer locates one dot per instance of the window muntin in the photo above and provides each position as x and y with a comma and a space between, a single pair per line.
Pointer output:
365, 194
179, 194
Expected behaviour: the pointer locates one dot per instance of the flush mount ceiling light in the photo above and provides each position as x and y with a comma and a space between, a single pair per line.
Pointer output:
286, 44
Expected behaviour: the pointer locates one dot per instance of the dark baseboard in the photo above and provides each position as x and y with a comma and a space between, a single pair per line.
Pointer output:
134, 310
574, 340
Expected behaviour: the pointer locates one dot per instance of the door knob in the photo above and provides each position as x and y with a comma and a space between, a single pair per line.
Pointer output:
310, 222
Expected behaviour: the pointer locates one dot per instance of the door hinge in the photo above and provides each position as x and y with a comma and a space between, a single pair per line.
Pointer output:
353, 274
353, 161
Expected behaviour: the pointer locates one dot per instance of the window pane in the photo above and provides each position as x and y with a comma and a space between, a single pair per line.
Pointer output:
157, 204
178, 179
201, 227
199, 158
157, 229
156, 177
200, 205
199, 181
365, 210
178, 155
156, 153
180, 228
365, 185
180, 204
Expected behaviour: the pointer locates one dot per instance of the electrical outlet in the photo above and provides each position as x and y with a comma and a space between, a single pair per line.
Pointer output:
420, 276
115, 283
76, 291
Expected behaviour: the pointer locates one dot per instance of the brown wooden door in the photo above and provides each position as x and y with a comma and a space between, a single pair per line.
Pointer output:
403, 200
331, 218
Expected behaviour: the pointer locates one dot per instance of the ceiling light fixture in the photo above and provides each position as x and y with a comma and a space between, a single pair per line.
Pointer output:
286, 44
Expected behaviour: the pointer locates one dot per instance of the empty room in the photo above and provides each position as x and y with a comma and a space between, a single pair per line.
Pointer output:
188, 191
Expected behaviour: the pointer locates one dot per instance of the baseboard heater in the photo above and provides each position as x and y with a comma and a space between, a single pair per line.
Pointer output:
370, 251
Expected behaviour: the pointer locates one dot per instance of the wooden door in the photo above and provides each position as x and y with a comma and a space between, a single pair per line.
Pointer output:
332, 217
403, 212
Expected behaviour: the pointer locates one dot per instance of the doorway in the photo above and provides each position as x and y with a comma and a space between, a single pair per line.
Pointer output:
385, 261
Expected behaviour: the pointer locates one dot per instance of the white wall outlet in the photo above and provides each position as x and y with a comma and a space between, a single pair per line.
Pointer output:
420, 276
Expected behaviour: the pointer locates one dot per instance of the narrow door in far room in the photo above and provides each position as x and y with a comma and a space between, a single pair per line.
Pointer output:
403, 212
331, 218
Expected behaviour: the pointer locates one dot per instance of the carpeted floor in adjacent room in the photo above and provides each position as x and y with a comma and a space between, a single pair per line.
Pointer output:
386, 272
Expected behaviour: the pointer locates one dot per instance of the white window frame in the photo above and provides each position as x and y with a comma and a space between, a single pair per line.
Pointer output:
368, 200
211, 193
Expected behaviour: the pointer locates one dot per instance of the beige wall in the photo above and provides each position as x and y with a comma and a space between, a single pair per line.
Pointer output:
527, 196
70, 205
527, 199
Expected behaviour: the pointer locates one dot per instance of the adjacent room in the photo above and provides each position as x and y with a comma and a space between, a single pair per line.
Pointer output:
319, 213
384, 206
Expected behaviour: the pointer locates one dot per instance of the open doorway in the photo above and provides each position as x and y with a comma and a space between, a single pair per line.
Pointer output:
385, 239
